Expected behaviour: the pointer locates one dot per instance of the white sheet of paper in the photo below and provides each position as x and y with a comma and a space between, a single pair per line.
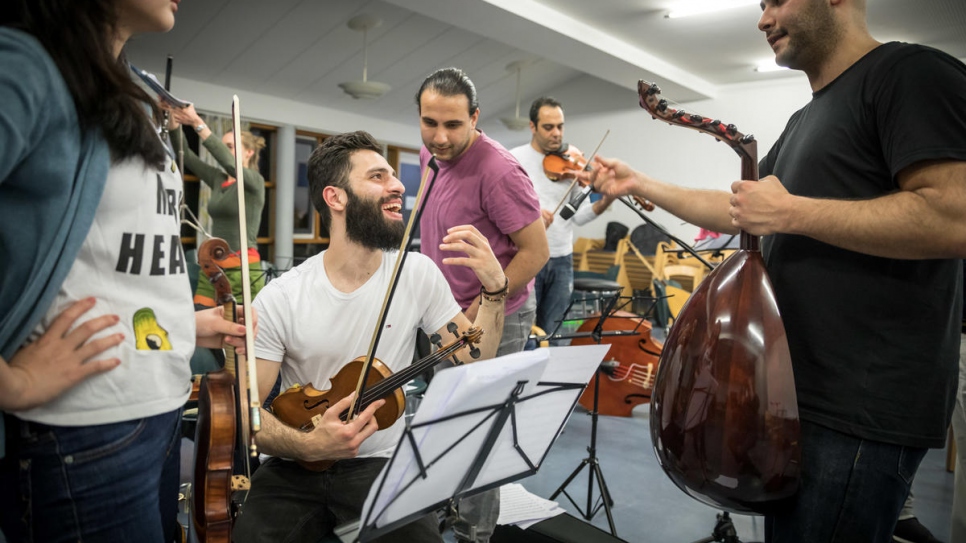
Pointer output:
518, 505
449, 447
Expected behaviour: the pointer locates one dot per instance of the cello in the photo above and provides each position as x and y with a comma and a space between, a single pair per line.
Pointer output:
629, 383
724, 412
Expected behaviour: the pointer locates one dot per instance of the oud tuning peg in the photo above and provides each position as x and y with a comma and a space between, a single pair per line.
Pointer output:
696, 118
653, 89
747, 138
732, 129
662, 105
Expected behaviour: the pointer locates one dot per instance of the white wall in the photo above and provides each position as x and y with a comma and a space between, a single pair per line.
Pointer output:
667, 152
592, 107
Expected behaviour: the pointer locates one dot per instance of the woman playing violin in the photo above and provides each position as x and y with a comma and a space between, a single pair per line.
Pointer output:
554, 283
319, 316
95, 303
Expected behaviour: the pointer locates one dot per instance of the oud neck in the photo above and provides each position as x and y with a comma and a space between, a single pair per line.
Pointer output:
749, 172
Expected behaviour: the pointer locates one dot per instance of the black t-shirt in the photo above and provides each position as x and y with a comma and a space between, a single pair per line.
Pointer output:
874, 341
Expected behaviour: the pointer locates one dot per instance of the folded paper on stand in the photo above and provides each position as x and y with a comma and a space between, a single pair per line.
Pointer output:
521, 508
458, 413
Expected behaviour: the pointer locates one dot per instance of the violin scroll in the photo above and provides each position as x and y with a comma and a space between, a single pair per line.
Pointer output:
210, 252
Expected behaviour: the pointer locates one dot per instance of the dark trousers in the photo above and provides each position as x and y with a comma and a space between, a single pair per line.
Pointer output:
290, 504
852, 490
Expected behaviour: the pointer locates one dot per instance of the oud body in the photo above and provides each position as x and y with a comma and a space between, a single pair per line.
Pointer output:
724, 412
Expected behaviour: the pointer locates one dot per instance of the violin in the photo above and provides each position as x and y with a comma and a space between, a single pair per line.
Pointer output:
216, 439
566, 163
302, 406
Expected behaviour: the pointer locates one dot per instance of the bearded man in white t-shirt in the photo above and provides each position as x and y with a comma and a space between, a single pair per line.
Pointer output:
320, 315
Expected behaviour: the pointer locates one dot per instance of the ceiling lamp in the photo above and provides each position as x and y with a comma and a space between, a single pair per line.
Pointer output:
364, 88
516, 122
687, 8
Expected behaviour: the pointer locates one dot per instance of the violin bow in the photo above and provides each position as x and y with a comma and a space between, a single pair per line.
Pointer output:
248, 391
421, 196
566, 195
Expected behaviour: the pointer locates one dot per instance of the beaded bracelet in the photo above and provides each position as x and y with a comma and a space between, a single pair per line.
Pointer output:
497, 296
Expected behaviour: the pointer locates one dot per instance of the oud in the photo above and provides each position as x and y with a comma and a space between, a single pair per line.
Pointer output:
724, 413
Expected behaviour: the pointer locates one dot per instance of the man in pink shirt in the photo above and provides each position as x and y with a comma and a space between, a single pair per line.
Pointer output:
479, 183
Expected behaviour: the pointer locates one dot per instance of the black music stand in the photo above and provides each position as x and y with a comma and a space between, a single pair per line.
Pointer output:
514, 408
592, 462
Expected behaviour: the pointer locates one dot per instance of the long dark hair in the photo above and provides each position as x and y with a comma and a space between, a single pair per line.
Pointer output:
77, 34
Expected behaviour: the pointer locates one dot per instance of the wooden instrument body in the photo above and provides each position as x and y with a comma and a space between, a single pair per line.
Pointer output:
299, 405
638, 356
724, 413
215, 443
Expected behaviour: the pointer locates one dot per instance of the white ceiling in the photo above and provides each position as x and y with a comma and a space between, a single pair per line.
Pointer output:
302, 49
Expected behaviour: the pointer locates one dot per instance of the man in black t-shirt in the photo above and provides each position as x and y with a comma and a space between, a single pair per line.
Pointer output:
862, 209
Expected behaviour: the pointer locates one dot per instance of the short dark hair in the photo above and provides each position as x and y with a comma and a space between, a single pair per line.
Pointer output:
450, 82
330, 164
539, 103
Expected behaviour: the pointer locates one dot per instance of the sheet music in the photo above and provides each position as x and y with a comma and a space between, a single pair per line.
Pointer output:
448, 447
567, 365
524, 509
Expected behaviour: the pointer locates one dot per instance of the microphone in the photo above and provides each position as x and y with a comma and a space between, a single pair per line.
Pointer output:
575, 201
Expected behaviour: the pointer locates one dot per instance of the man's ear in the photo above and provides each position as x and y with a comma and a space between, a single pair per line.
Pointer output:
335, 198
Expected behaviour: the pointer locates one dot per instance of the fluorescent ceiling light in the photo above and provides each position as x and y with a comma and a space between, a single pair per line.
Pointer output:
686, 8
769, 66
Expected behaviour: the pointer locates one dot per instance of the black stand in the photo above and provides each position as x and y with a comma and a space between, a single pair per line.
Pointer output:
724, 531
592, 463
418, 482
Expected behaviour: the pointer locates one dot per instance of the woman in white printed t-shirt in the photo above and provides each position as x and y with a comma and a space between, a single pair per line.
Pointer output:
96, 327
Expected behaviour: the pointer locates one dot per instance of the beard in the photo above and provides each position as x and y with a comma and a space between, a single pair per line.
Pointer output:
814, 35
366, 225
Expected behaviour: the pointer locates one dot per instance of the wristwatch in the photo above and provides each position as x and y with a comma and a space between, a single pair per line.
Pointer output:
200, 127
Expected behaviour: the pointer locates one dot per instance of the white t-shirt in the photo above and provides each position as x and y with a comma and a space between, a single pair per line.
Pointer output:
314, 330
132, 262
560, 234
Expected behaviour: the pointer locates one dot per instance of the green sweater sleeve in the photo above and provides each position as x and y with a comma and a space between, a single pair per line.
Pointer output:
213, 176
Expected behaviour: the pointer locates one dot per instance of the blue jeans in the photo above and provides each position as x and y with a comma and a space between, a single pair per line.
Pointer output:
110, 482
851, 492
553, 287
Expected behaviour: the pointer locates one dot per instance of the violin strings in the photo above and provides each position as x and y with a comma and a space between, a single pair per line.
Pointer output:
193, 221
387, 385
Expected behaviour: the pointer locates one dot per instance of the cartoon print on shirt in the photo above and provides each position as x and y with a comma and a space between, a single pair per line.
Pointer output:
148, 334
